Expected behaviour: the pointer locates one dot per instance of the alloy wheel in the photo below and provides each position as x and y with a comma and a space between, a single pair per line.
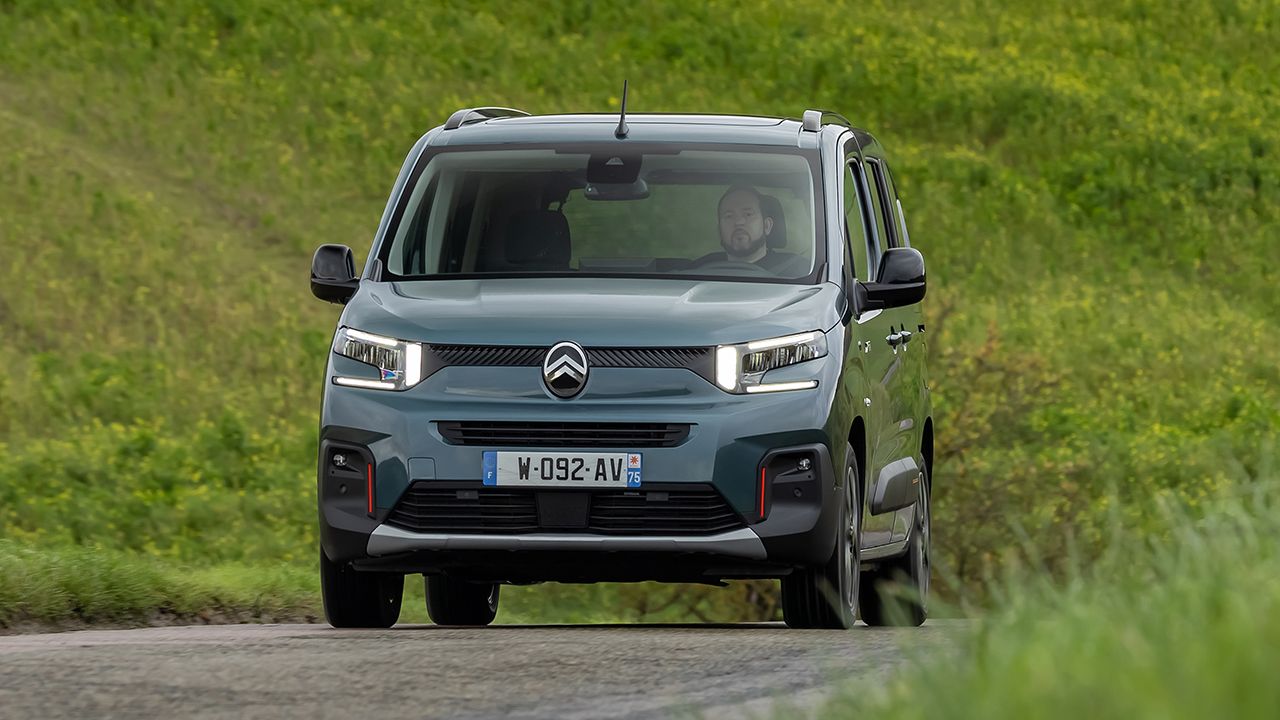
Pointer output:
851, 550
924, 559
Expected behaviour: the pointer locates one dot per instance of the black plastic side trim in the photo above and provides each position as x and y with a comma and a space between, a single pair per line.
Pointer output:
896, 486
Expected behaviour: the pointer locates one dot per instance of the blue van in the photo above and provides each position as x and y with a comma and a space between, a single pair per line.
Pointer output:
583, 348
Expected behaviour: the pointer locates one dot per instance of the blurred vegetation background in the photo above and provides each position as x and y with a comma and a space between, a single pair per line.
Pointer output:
1095, 185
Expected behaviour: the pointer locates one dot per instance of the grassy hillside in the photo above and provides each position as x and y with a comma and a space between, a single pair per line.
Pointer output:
1094, 184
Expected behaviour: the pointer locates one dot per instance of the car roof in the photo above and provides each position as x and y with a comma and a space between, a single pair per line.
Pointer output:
642, 127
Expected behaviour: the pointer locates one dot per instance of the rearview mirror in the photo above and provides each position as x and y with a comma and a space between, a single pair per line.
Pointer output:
637, 190
900, 281
333, 273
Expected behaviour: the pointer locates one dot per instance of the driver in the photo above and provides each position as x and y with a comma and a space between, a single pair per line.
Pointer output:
744, 231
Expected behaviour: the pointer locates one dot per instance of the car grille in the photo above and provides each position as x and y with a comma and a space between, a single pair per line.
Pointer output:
679, 510
662, 513
697, 359
489, 355
426, 509
629, 436
692, 358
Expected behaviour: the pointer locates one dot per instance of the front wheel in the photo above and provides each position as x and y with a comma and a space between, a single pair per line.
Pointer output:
826, 596
453, 601
355, 599
897, 592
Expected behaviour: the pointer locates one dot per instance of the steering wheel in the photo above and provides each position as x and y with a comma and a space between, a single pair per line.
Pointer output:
734, 265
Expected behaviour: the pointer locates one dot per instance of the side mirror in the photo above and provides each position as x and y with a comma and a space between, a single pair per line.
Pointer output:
333, 273
899, 282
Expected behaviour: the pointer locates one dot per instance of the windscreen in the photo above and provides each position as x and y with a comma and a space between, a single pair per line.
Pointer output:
722, 214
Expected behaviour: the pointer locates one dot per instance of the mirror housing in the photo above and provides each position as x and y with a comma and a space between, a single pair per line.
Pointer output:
637, 190
333, 274
900, 281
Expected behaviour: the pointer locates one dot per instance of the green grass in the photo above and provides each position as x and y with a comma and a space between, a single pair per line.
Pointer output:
72, 587
86, 585
1182, 625
1093, 184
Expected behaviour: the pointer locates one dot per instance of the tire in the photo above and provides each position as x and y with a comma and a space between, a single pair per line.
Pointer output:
452, 601
897, 592
825, 596
355, 599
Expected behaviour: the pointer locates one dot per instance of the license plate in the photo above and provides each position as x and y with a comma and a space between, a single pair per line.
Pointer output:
562, 469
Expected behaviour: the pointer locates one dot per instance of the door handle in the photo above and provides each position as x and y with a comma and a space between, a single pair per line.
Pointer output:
894, 340
906, 336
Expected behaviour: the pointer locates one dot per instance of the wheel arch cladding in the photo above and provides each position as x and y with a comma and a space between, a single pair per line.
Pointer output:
858, 439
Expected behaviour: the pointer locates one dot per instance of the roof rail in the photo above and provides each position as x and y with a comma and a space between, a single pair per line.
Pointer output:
813, 119
466, 116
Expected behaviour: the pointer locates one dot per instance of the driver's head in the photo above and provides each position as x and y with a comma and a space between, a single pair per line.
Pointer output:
743, 226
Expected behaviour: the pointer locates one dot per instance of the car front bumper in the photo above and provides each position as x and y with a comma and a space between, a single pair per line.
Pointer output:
392, 442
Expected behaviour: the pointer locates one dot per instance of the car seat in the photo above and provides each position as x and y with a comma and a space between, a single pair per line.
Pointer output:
536, 240
771, 207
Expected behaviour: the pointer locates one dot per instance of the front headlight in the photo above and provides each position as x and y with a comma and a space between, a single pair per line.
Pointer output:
399, 362
740, 368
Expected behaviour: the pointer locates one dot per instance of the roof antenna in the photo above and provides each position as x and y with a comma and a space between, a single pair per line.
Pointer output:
622, 130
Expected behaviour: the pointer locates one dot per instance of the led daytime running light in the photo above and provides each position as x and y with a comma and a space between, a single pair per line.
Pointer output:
782, 387
371, 338
727, 367
785, 340
362, 383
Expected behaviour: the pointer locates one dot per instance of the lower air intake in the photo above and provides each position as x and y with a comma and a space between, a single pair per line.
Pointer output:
668, 509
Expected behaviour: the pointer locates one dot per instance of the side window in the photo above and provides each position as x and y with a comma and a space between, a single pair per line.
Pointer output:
903, 235
880, 199
855, 225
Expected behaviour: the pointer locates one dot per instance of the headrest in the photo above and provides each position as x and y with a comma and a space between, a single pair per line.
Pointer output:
771, 207
538, 240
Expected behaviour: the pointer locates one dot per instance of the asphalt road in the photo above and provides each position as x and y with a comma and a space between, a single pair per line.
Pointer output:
313, 671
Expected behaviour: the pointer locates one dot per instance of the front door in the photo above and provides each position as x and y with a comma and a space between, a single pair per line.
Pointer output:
890, 416
871, 359
899, 435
